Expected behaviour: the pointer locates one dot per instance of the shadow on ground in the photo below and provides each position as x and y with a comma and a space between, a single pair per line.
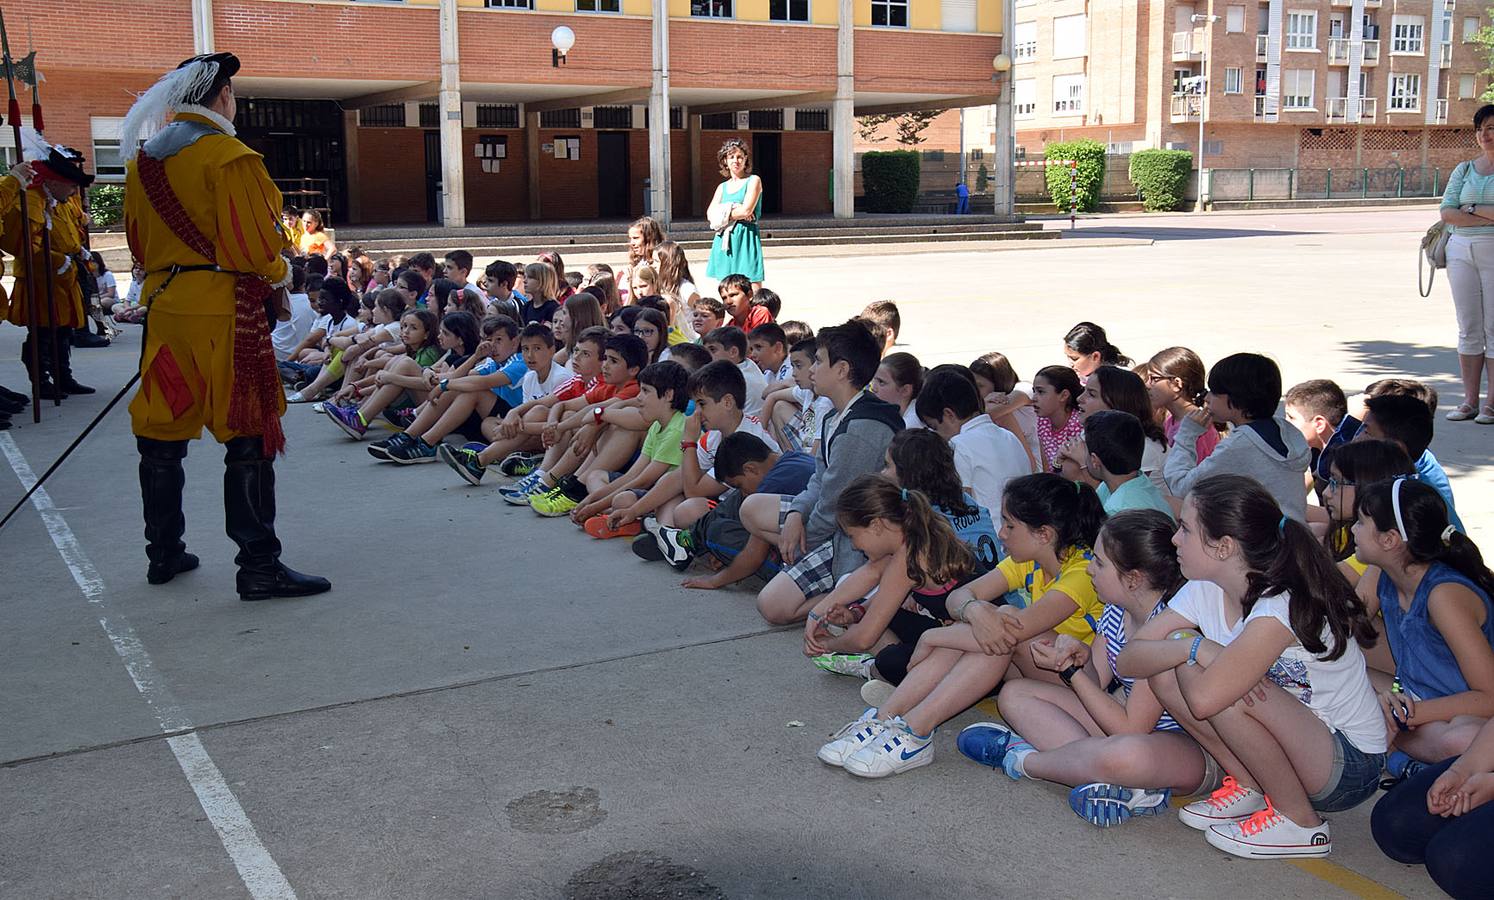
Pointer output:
1183, 233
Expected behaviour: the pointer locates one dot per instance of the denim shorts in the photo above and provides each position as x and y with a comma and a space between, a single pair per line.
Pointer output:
1355, 777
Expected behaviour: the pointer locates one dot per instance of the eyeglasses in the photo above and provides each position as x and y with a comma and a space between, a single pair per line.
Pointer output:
1337, 483
646, 332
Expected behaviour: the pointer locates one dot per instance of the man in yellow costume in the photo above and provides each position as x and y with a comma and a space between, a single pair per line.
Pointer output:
203, 219
56, 220
11, 187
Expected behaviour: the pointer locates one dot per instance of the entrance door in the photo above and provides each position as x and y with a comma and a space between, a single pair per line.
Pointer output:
767, 163
613, 184
433, 176
302, 143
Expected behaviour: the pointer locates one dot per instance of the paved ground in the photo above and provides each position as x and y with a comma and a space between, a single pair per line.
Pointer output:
489, 705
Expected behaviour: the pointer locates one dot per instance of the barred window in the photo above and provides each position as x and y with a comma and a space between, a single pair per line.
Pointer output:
497, 115
388, 115
561, 118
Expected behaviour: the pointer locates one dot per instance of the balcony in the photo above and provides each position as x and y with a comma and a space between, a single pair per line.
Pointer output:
1446, 55
1338, 51
1371, 53
1342, 109
1260, 108
1185, 107
1439, 112
1260, 47
1186, 45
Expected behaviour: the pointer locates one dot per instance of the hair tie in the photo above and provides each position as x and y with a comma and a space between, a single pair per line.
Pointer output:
1078, 488
905, 495
1281, 526
1395, 506
1447, 535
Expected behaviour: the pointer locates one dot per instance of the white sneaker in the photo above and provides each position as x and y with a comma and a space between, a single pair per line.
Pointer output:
852, 737
1270, 835
1231, 803
876, 693
896, 749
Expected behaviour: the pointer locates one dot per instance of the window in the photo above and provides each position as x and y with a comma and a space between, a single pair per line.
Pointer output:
890, 13
711, 9
509, 4
1070, 37
430, 115
1025, 44
765, 119
561, 118
1296, 88
977, 153
1466, 89
1405, 34
1470, 27
811, 120
612, 117
389, 115
497, 115
1302, 30
1232, 81
1024, 98
1213, 148
107, 164
1068, 95
1405, 93
1234, 20
598, 5
788, 10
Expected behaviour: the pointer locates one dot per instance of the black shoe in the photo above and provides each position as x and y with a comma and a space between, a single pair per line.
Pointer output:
87, 339
13, 396
160, 573
73, 387
280, 581
50, 391
646, 548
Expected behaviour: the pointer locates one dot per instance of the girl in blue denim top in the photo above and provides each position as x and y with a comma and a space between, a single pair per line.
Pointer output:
1434, 593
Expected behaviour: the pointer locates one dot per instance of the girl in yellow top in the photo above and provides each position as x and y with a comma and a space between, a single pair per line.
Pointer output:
1041, 590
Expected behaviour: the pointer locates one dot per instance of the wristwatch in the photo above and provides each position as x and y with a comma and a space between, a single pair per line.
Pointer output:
596, 414
687, 445
1068, 675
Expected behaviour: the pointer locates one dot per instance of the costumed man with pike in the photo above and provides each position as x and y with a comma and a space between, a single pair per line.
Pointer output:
202, 217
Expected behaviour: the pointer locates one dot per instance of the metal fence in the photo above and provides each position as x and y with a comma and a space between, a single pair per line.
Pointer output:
1325, 184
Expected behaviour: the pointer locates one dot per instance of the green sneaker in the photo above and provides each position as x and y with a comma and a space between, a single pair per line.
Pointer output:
553, 503
853, 664
462, 461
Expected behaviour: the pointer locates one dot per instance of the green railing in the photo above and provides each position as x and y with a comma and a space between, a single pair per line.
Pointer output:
1324, 184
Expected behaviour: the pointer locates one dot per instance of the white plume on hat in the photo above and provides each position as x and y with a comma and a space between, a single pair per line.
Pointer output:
154, 108
34, 146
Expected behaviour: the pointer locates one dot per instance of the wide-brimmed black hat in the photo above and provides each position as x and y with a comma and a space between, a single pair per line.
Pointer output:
66, 164
228, 66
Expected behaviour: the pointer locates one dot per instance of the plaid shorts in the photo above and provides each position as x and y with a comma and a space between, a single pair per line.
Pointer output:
814, 573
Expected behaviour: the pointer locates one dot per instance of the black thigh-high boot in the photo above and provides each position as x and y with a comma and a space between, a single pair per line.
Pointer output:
63, 371
41, 338
161, 483
249, 513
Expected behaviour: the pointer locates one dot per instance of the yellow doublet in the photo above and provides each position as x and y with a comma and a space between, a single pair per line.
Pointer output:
66, 240
186, 371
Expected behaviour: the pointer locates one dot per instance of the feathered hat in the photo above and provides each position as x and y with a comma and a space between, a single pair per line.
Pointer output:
53, 161
189, 84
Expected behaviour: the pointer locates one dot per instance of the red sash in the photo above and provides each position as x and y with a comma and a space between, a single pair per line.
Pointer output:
253, 406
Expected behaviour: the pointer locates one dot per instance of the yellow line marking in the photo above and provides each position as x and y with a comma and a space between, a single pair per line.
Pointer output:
1346, 879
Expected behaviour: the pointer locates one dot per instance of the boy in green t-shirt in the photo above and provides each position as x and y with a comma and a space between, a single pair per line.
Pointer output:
662, 400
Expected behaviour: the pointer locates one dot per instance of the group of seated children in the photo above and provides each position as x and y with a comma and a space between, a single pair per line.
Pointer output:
1167, 586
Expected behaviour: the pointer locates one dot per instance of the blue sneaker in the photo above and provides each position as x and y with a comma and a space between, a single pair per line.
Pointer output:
1110, 804
520, 491
475, 446
1399, 765
994, 745
412, 451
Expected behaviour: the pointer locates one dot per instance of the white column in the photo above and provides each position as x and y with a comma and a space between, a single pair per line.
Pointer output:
843, 112
202, 26
1003, 184
660, 196
453, 189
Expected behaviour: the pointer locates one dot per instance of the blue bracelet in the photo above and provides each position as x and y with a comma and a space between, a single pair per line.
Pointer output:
814, 615
1193, 651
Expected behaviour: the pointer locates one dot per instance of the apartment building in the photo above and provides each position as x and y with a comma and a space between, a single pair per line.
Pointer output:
1276, 83
355, 103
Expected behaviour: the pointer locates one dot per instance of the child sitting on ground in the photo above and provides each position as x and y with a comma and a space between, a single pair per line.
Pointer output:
350, 349
541, 285
1111, 453
793, 410
1122, 754
730, 343
888, 322
1175, 379
1048, 525
1008, 401
1111, 387
1407, 420
987, 456
1365, 462
402, 384
1244, 390
898, 381
1055, 400
1434, 593
852, 442
708, 315
736, 297
1316, 408
768, 349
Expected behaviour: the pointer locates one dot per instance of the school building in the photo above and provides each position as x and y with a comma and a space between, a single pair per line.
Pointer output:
457, 111
1284, 84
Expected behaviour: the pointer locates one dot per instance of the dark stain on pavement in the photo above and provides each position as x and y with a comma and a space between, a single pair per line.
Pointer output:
557, 812
642, 875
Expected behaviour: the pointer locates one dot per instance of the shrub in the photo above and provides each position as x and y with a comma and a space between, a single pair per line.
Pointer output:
982, 179
889, 180
1161, 178
106, 204
1091, 158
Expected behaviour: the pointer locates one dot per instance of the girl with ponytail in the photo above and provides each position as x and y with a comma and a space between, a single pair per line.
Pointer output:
1088, 347
1264, 669
1365, 462
1434, 592
1041, 590
912, 553
1176, 380
1123, 753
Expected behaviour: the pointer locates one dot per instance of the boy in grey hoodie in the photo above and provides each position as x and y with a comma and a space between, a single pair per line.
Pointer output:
853, 441
1244, 390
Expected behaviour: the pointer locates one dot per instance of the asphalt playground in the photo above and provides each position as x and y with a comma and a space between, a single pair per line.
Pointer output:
493, 705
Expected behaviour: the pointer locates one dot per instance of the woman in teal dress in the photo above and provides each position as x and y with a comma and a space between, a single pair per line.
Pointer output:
738, 201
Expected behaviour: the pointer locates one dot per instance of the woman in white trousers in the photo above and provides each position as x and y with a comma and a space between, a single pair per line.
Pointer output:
1468, 206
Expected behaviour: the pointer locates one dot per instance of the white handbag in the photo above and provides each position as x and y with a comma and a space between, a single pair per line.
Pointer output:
1433, 253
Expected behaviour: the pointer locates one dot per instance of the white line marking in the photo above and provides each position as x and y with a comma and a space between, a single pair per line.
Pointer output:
257, 869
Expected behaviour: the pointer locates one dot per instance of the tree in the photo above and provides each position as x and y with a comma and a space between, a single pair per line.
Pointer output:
867, 127
982, 179
910, 126
1484, 39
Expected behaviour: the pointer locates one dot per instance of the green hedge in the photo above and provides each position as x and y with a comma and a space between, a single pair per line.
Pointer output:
1161, 178
106, 204
1091, 158
889, 180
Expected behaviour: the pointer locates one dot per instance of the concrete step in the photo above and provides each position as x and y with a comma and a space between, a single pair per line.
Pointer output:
1045, 208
